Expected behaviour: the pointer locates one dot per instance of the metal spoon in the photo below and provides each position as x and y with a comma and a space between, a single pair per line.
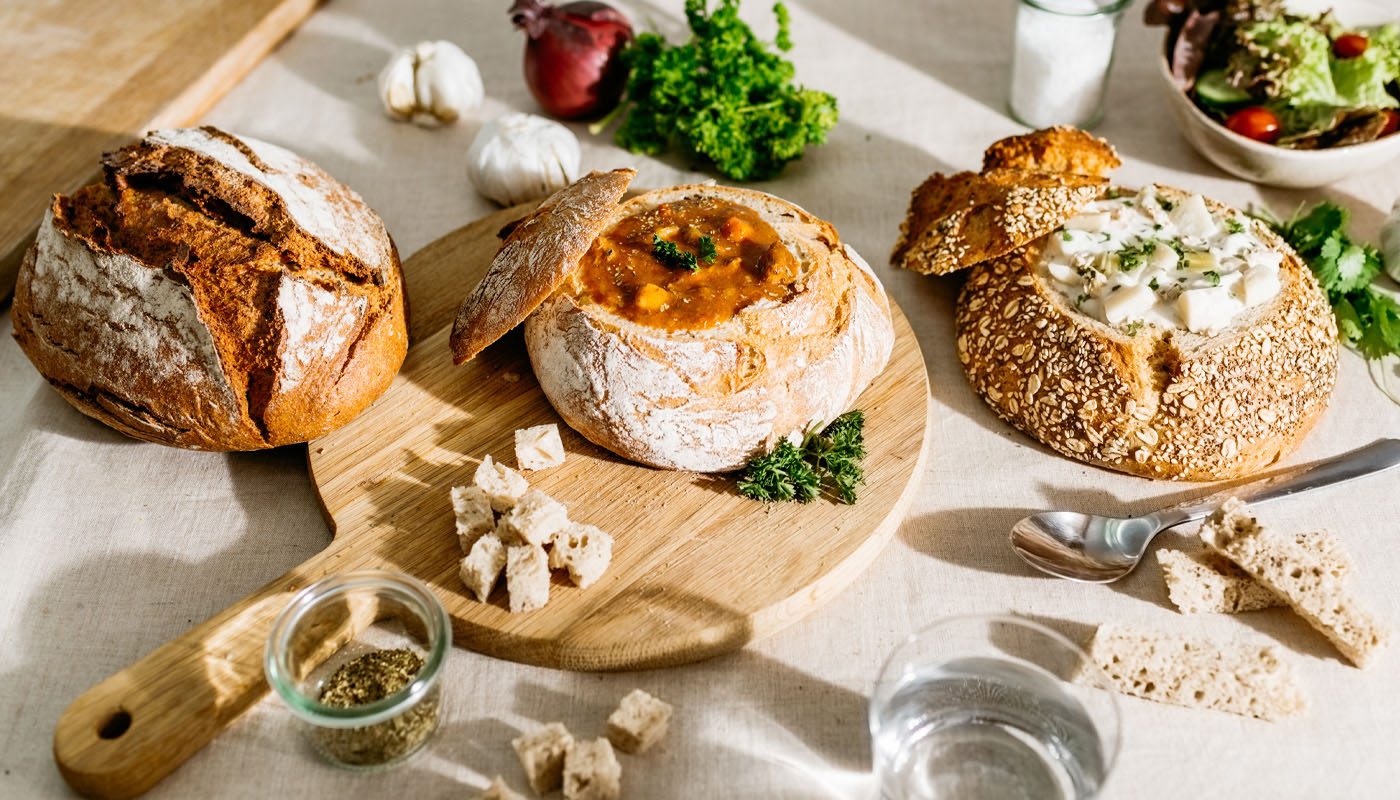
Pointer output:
1097, 549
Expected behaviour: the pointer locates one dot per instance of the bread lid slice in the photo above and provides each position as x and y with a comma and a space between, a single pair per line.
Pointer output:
956, 221
1059, 149
538, 254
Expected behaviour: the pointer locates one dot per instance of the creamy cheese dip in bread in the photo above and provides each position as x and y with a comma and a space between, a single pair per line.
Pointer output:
1130, 260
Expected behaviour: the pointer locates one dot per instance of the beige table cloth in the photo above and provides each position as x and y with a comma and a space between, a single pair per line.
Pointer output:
110, 547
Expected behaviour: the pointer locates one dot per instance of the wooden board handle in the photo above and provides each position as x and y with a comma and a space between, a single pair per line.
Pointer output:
125, 734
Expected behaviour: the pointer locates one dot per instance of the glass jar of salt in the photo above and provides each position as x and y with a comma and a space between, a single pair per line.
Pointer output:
1064, 50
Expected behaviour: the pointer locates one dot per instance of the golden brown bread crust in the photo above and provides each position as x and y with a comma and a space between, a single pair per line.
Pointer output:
536, 256
214, 293
1058, 149
1159, 404
955, 221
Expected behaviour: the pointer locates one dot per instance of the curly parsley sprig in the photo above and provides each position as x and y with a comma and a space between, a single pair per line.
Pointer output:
832, 455
724, 98
670, 254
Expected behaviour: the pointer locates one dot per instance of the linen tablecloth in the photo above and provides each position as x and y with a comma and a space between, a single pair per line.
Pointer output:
110, 547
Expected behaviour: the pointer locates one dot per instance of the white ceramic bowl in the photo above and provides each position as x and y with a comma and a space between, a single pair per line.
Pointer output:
1279, 166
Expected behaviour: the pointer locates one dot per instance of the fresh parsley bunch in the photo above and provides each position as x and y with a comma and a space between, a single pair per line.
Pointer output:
793, 473
1367, 318
724, 98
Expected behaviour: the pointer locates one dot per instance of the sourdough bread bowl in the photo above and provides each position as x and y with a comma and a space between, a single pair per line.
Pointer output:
1149, 395
698, 368
213, 292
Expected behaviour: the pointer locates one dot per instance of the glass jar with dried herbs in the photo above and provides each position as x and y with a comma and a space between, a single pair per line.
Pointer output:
358, 658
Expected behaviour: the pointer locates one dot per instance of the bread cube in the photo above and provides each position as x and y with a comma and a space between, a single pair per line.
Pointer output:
498, 790
503, 486
534, 519
483, 565
472, 509
539, 447
639, 722
542, 756
591, 772
527, 577
584, 550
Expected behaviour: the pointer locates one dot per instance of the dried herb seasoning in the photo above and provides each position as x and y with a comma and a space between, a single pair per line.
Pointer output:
367, 679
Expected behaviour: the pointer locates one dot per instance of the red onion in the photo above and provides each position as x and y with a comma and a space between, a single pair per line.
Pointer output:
571, 62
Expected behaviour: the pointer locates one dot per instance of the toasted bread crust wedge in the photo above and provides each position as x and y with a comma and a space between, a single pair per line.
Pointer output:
1162, 403
537, 255
956, 221
1058, 149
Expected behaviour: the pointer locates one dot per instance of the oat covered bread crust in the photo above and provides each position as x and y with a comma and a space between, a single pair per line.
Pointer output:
709, 400
956, 221
536, 256
214, 292
1160, 404
1058, 149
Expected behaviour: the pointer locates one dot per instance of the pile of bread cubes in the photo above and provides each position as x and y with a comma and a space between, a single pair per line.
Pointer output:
503, 525
1243, 566
586, 770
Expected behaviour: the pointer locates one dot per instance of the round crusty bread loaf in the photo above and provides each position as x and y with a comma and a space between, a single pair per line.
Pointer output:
1161, 404
709, 400
215, 292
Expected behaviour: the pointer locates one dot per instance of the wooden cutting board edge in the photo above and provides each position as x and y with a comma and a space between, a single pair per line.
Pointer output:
183, 109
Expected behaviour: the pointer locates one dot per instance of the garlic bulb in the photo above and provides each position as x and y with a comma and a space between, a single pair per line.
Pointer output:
430, 82
518, 157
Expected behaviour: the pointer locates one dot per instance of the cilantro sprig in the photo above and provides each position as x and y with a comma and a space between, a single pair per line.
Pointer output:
724, 98
1367, 319
832, 456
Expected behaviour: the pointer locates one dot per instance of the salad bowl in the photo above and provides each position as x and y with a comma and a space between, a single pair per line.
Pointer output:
1268, 164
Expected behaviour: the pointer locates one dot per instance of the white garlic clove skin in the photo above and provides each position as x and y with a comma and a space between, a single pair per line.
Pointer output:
448, 82
396, 90
518, 157
430, 83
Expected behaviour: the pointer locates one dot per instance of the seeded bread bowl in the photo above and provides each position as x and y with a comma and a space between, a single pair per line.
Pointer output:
1157, 402
697, 369
213, 292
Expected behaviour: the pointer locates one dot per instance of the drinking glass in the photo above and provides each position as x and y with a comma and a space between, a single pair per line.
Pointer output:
977, 707
1062, 58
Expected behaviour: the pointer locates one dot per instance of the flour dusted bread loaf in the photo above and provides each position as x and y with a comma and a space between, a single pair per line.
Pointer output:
214, 292
1140, 394
699, 326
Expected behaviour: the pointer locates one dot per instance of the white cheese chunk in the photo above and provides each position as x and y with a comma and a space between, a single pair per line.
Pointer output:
1260, 283
1092, 223
1206, 310
1063, 273
1163, 259
538, 447
1202, 260
1192, 218
1264, 258
1130, 302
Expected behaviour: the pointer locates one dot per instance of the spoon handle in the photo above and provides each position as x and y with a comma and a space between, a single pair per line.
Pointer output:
1378, 456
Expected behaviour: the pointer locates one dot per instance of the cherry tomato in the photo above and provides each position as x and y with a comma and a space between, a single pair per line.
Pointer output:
1350, 45
1392, 123
1255, 122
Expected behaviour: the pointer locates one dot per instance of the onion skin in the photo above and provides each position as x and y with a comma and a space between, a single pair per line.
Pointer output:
571, 55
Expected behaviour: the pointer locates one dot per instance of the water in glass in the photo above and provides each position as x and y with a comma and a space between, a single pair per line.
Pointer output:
982, 727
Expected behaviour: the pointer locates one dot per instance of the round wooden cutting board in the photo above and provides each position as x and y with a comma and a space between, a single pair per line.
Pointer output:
697, 569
